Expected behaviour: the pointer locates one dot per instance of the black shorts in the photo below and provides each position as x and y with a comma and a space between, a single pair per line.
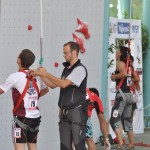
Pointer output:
21, 135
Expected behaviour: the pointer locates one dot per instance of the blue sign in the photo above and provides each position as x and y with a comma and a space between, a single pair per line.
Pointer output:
123, 28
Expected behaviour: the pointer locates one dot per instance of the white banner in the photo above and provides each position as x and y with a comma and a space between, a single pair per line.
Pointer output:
119, 35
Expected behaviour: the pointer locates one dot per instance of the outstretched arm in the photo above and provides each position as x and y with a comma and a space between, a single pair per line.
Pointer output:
56, 81
63, 83
48, 82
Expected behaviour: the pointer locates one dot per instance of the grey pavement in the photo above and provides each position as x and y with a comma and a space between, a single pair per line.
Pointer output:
138, 138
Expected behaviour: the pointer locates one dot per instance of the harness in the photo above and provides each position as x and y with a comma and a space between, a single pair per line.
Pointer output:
29, 79
129, 71
66, 118
25, 126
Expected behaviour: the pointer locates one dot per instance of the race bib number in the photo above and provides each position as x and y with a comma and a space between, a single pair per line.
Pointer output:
115, 113
129, 81
32, 104
17, 132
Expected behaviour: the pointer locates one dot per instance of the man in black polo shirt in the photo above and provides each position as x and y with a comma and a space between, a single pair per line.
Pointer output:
73, 110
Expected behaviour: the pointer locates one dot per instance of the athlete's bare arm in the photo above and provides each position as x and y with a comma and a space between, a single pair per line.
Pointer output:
1, 91
44, 91
122, 71
56, 81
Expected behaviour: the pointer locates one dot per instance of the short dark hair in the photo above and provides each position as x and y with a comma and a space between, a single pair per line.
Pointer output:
73, 46
94, 90
124, 53
27, 58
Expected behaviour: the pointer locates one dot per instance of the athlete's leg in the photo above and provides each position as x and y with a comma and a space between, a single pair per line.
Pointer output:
19, 136
127, 124
19, 146
89, 135
90, 143
131, 138
32, 146
115, 119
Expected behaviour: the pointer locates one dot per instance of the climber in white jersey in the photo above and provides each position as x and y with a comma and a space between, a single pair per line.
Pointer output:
26, 91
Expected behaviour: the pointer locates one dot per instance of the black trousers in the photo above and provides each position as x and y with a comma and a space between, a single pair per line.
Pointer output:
73, 129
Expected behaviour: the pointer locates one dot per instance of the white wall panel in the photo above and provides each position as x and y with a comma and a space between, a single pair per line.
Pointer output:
59, 22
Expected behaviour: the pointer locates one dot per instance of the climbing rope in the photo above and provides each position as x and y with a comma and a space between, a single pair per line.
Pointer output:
41, 36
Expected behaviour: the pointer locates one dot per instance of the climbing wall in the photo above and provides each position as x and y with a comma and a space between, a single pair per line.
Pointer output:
20, 28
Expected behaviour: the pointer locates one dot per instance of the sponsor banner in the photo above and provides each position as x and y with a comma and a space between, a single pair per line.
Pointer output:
123, 28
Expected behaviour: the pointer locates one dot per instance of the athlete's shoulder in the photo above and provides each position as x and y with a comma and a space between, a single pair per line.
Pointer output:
96, 98
120, 63
15, 74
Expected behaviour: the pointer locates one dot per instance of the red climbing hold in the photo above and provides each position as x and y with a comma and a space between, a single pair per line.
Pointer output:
80, 42
29, 27
83, 28
56, 64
